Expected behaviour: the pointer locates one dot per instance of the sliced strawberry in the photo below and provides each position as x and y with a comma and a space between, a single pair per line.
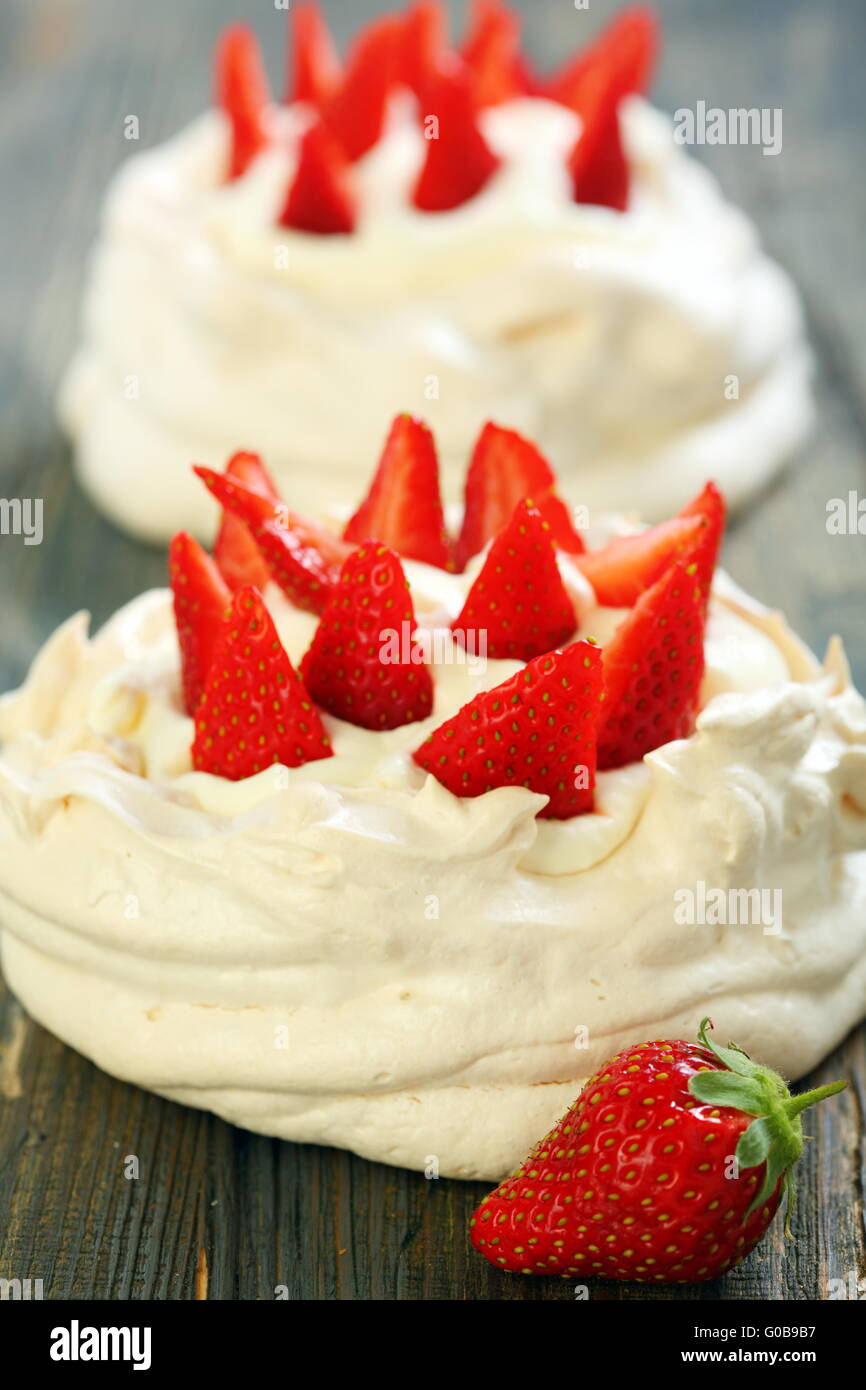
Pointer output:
709, 505
321, 199
242, 91
237, 556
403, 508
504, 468
356, 113
200, 602
459, 160
424, 46
653, 667
303, 559
492, 53
537, 730
518, 603
622, 56
597, 164
355, 667
314, 64
621, 570
254, 711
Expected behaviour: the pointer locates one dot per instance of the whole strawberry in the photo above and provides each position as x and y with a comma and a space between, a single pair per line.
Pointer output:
669, 1168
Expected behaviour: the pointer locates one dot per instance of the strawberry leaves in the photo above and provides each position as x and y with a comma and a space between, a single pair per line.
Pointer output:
776, 1136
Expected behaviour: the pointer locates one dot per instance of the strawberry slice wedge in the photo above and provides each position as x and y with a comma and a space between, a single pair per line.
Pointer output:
243, 93
504, 468
492, 53
710, 507
653, 667
459, 161
536, 730
362, 665
623, 56
623, 569
356, 112
321, 199
303, 559
403, 508
518, 604
424, 46
254, 711
201, 599
597, 164
237, 556
313, 60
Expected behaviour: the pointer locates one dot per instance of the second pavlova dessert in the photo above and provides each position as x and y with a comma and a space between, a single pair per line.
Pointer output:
433, 227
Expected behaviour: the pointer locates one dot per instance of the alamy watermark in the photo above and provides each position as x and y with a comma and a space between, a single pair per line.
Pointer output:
422, 646
77, 1343
22, 516
729, 907
739, 125
846, 516
20, 1290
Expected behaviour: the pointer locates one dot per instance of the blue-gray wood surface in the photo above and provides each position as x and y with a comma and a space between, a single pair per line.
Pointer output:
219, 1213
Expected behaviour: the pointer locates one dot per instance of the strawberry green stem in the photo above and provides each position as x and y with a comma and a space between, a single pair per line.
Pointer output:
798, 1103
775, 1138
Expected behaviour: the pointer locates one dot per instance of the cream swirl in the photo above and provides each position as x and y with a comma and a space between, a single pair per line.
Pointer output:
645, 351
345, 953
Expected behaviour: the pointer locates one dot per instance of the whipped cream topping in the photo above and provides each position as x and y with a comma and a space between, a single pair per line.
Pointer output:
345, 953
644, 351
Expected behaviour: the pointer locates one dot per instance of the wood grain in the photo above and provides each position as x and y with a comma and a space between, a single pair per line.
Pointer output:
215, 1212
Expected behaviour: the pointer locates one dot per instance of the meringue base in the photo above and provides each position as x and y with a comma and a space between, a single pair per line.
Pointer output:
211, 1057
345, 953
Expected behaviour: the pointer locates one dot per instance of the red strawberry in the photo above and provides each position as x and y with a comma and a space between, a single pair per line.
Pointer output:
597, 164
200, 602
504, 468
623, 56
355, 667
237, 556
492, 53
321, 199
710, 507
403, 508
459, 160
254, 711
356, 113
314, 64
424, 46
621, 570
535, 730
653, 667
636, 1181
243, 93
519, 602
304, 559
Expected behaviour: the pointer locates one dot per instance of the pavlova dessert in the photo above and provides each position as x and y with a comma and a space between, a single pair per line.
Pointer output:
441, 229
388, 839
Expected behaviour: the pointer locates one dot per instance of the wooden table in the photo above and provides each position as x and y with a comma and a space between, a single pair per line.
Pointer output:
218, 1213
